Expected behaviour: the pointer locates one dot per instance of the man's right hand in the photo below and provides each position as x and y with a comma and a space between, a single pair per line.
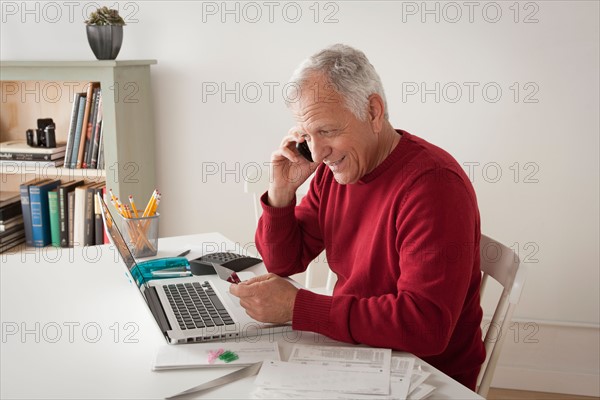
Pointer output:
289, 170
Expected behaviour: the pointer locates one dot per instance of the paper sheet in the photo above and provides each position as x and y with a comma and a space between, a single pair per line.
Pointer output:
326, 369
400, 378
421, 392
197, 355
417, 378
402, 368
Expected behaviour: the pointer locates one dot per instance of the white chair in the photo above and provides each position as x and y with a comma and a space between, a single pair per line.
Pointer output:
256, 186
502, 264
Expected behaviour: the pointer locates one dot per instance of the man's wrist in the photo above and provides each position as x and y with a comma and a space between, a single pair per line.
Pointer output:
280, 198
291, 306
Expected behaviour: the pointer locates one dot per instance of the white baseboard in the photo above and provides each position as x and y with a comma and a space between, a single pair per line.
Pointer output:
550, 357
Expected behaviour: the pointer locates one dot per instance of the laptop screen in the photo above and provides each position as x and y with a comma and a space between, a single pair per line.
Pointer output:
117, 240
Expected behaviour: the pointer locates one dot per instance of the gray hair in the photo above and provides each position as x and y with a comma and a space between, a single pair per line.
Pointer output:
349, 72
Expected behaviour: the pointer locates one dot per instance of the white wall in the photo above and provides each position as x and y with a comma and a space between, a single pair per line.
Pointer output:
545, 146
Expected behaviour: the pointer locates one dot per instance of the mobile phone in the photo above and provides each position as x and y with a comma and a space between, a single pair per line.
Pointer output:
304, 150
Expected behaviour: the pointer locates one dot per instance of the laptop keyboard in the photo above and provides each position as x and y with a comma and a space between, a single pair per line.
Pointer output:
196, 305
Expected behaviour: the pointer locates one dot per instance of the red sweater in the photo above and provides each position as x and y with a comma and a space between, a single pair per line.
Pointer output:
404, 243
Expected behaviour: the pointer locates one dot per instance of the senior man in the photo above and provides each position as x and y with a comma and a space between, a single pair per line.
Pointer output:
397, 216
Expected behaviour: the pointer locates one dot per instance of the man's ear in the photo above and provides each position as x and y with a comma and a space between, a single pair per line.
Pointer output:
376, 112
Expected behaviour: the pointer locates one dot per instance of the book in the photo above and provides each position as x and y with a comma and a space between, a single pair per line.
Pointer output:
9, 197
40, 214
63, 209
96, 137
71, 217
79, 215
98, 223
26, 208
32, 164
89, 222
12, 233
5, 225
4, 247
10, 211
89, 142
31, 156
105, 234
100, 164
21, 146
54, 219
72, 128
84, 124
77, 136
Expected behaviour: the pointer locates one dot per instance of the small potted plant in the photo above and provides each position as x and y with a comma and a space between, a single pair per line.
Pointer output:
105, 33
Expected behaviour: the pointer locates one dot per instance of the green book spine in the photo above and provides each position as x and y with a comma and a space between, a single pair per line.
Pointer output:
54, 217
40, 216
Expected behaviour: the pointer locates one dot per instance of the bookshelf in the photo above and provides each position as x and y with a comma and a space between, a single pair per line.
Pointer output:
40, 89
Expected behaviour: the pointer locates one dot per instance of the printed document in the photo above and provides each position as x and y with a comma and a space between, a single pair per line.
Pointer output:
355, 370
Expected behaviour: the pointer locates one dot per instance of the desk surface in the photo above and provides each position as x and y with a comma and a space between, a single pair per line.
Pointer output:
73, 326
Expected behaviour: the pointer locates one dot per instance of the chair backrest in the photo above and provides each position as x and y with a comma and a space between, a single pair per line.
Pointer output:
503, 265
256, 184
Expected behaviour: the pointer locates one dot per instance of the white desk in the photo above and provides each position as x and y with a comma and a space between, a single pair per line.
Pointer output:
73, 327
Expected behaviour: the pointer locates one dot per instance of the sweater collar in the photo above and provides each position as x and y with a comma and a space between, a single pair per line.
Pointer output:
394, 156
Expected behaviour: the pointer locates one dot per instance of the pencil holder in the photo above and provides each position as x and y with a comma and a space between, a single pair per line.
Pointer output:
141, 235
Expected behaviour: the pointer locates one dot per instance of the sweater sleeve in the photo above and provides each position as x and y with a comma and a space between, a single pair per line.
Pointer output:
436, 237
289, 238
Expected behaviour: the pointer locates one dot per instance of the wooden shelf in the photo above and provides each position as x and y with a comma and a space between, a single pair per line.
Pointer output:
35, 89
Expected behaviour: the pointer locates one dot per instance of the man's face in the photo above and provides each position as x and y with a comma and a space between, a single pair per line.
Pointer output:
347, 145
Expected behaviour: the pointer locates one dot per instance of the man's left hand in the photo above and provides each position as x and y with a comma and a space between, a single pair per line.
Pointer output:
267, 298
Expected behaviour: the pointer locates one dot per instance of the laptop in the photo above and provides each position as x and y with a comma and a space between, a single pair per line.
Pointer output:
189, 309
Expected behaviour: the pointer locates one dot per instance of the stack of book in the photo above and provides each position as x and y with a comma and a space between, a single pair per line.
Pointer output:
83, 147
84, 138
19, 154
63, 214
12, 232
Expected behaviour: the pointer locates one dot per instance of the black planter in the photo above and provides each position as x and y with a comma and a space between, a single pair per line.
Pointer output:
105, 40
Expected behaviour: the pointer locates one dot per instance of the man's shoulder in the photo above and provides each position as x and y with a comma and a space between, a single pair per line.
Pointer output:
420, 149
421, 157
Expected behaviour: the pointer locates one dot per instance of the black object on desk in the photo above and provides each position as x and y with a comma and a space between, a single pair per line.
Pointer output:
233, 261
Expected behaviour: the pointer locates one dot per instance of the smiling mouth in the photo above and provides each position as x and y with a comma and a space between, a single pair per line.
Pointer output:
333, 165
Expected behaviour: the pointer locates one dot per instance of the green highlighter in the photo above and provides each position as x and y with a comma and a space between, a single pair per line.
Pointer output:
167, 267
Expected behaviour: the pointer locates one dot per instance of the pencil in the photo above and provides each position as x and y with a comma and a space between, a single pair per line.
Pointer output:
114, 201
127, 212
150, 203
133, 207
112, 196
120, 207
155, 206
